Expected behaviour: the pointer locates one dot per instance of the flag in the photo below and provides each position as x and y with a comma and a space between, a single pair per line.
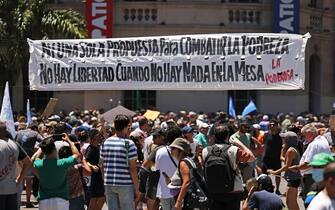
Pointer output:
29, 120
249, 108
231, 108
6, 114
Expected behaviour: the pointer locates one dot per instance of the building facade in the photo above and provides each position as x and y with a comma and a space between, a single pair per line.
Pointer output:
134, 18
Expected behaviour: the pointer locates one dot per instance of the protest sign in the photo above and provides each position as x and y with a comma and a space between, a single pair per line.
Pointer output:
151, 115
50, 107
189, 62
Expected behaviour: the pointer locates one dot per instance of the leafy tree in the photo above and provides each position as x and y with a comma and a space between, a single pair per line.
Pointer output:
33, 19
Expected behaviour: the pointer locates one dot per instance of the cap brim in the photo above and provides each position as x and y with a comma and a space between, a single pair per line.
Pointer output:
317, 163
176, 146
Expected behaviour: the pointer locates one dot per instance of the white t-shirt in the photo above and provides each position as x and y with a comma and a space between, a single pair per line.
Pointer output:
194, 145
322, 202
318, 145
164, 164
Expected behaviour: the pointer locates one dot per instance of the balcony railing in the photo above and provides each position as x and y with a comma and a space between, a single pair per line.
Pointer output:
140, 15
244, 17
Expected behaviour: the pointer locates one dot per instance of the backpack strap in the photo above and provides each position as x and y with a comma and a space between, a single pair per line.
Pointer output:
174, 163
190, 164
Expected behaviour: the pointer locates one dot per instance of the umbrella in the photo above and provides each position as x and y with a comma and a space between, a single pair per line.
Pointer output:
111, 114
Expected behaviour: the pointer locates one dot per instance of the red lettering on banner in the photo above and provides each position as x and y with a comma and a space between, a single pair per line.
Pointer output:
279, 76
99, 18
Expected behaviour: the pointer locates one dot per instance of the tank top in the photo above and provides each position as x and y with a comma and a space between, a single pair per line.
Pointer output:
293, 175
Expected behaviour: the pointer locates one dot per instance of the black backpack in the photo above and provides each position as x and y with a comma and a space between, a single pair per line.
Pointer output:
219, 173
196, 196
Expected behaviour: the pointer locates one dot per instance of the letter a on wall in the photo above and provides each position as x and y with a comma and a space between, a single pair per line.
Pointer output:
99, 18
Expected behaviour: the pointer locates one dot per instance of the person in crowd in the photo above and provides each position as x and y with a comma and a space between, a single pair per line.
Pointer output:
28, 138
181, 150
317, 144
293, 178
261, 196
53, 192
188, 132
242, 135
118, 157
273, 147
325, 200
330, 134
75, 179
167, 165
319, 162
144, 127
237, 153
148, 174
138, 138
10, 154
257, 145
96, 187
201, 137
264, 124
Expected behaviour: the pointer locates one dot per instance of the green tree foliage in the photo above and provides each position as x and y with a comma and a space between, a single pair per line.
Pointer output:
33, 19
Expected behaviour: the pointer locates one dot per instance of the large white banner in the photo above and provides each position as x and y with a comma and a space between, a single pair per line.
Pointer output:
188, 62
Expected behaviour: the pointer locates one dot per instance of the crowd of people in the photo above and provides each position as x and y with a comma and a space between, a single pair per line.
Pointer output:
182, 160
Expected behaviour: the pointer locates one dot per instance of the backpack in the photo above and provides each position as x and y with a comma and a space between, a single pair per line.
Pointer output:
219, 173
196, 196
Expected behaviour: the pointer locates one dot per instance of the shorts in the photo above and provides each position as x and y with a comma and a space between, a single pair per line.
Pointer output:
293, 183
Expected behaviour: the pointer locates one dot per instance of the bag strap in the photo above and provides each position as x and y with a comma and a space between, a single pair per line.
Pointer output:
126, 145
174, 163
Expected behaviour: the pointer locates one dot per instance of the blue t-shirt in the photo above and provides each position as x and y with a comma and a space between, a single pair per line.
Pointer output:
264, 200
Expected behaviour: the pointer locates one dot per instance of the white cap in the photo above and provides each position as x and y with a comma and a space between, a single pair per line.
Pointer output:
265, 118
203, 125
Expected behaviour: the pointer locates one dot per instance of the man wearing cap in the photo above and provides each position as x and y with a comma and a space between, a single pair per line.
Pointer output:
201, 137
261, 196
187, 132
318, 144
325, 200
319, 162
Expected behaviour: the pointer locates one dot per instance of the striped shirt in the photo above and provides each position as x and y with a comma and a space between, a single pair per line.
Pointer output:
114, 156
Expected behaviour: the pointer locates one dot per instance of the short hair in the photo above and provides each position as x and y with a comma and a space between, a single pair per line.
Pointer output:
93, 133
172, 133
221, 133
60, 128
309, 128
48, 145
3, 127
121, 121
329, 171
142, 121
64, 152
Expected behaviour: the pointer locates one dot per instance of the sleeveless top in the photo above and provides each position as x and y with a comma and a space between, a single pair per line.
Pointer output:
293, 175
